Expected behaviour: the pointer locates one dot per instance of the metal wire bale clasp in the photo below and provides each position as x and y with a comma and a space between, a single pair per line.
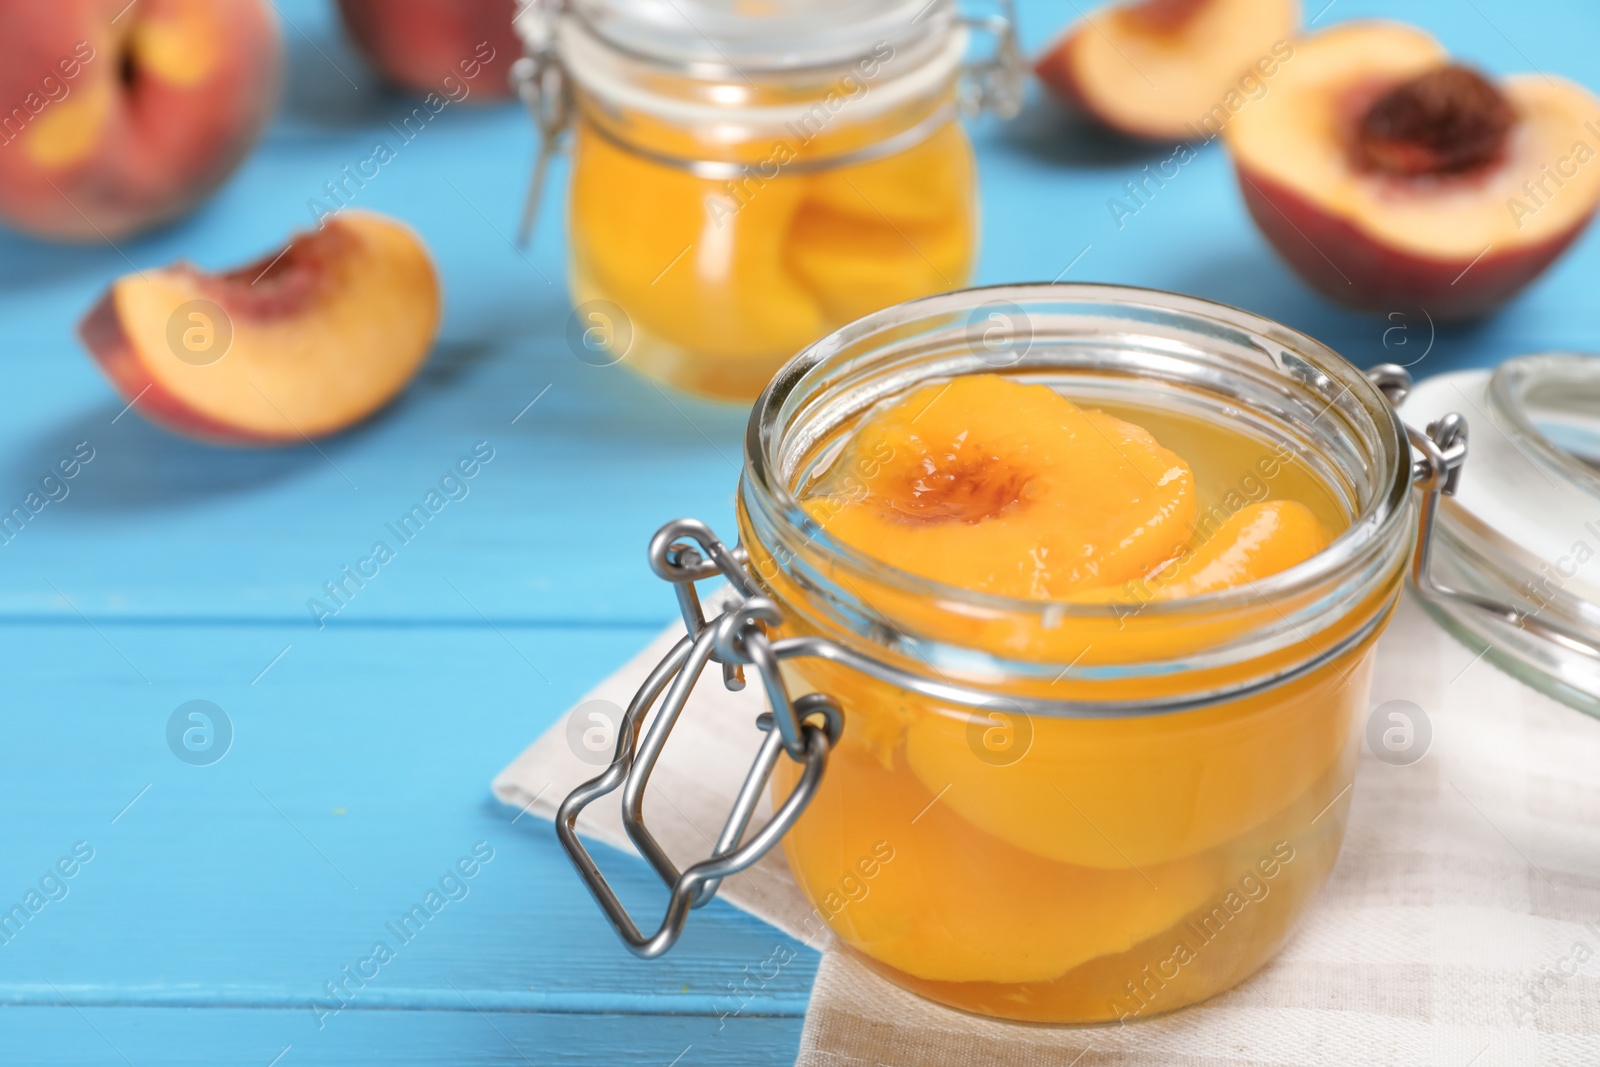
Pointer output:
541, 84
683, 553
997, 82
1436, 471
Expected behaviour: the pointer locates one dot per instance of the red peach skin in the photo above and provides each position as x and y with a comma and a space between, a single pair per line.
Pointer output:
1347, 266
165, 99
417, 44
320, 335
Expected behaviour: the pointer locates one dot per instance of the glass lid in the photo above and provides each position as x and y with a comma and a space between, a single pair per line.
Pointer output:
1524, 523
759, 35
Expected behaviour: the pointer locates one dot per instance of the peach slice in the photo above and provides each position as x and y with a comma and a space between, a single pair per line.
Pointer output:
1260, 540
1145, 791
120, 116
922, 889
1171, 69
303, 343
1005, 488
1390, 178
698, 283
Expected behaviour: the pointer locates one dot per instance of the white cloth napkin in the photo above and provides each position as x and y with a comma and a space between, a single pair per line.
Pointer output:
1461, 926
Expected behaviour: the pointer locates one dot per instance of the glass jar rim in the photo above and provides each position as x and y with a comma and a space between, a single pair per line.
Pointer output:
1522, 529
882, 78
1512, 389
788, 39
1384, 506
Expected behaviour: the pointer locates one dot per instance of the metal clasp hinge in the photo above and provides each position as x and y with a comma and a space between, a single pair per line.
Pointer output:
996, 83
805, 730
541, 84
1436, 471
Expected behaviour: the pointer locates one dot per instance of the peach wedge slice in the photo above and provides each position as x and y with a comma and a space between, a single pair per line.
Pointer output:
303, 343
1168, 70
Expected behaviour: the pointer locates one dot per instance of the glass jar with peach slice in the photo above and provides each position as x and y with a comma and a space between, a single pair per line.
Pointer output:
1069, 644
744, 182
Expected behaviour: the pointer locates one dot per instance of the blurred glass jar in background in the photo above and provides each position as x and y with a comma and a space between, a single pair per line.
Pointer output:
746, 179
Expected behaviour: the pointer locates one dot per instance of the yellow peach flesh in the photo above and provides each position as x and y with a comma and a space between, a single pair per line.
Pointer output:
180, 45
1019, 870
1298, 137
723, 281
1163, 84
70, 131
356, 334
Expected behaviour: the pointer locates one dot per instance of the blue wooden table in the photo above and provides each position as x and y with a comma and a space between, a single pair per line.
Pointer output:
210, 909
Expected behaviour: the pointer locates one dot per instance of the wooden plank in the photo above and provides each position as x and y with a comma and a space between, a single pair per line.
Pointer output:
554, 528
551, 529
116, 1037
221, 899
356, 784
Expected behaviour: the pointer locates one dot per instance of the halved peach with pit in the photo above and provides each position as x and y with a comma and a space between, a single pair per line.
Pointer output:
1391, 178
304, 343
1160, 69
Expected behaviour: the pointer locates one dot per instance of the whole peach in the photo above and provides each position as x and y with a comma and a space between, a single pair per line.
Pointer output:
417, 44
117, 117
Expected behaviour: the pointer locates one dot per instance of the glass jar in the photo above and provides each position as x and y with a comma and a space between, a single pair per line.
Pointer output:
1525, 529
747, 180
1150, 792
1039, 809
